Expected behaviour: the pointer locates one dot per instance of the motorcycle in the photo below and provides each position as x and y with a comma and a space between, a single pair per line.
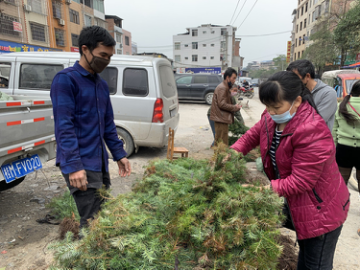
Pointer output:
246, 91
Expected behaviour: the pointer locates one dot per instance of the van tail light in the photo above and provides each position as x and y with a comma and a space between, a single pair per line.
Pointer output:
158, 116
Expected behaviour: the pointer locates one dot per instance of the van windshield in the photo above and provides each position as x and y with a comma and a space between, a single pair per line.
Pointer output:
168, 85
4, 74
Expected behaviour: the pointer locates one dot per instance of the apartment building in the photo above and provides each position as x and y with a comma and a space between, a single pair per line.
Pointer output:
207, 46
116, 31
127, 42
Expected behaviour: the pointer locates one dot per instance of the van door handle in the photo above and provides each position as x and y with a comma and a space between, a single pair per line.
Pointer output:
188, 85
205, 85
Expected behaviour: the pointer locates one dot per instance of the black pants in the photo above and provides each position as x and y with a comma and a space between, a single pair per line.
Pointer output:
318, 253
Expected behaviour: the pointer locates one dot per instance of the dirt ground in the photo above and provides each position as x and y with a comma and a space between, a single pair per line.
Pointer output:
24, 242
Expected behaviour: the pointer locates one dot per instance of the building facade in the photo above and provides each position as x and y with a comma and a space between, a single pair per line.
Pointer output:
207, 46
116, 31
127, 43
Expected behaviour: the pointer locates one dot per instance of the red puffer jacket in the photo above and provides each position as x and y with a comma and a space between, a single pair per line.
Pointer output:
309, 176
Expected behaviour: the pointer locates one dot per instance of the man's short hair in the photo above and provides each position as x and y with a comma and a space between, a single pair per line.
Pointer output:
303, 67
229, 72
93, 36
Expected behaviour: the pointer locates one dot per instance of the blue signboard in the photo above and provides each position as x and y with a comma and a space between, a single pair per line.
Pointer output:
214, 70
8, 47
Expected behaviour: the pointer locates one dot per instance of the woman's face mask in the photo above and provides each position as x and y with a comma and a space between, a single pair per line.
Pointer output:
233, 94
284, 117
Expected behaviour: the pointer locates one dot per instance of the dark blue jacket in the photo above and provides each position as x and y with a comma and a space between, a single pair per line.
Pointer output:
84, 120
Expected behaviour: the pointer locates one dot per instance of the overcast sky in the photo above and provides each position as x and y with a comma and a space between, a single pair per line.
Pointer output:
153, 23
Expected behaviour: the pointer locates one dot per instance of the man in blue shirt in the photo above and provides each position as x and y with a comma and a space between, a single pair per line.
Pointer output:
84, 122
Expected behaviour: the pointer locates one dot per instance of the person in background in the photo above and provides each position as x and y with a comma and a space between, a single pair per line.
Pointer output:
222, 109
237, 115
84, 122
299, 159
346, 134
324, 96
246, 84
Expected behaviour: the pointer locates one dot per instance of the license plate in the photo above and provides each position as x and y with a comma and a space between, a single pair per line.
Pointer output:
173, 113
20, 168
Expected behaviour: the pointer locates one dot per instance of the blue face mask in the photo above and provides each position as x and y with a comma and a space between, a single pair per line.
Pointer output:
284, 117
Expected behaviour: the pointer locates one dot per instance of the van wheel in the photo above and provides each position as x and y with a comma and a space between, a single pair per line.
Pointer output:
5, 186
209, 97
127, 141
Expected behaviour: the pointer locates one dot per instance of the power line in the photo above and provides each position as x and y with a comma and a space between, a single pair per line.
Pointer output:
239, 12
263, 35
248, 13
234, 12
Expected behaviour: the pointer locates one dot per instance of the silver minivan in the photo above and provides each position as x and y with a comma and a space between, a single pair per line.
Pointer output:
143, 91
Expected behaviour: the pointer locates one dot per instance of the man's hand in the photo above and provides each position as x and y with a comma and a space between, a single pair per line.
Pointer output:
124, 167
78, 180
238, 107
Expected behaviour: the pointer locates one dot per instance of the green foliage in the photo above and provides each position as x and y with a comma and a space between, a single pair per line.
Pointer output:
237, 129
195, 213
279, 65
64, 206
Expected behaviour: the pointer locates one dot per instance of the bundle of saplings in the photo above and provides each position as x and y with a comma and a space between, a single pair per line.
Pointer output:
236, 129
185, 214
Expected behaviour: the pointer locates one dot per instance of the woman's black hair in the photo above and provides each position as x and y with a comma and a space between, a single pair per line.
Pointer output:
355, 92
93, 36
284, 85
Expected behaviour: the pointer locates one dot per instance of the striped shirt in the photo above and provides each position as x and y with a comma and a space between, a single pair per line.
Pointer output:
274, 145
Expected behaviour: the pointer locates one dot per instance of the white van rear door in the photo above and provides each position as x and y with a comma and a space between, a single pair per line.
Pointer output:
168, 92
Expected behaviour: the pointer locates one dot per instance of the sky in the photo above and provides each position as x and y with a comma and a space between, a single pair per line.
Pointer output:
153, 23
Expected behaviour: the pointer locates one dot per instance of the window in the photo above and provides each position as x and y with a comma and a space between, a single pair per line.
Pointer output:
302, 10
56, 5
212, 57
38, 76
186, 58
75, 40
314, 16
194, 45
302, 53
118, 37
7, 26
99, 5
177, 45
297, 28
60, 37
299, 41
177, 58
213, 79
223, 31
201, 79
194, 57
309, 21
135, 82
195, 33
186, 45
305, 23
212, 32
298, 13
127, 40
223, 45
87, 3
88, 20
110, 75
298, 55
204, 45
301, 26
38, 31
295, 42
303, 39
294, 56
212, 45
119, 51
204, 32
168, 85
74, 16
306, 6
36, 6
204, 58
184, 80
5, 74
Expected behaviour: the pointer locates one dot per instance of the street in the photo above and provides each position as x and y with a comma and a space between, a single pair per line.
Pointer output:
24, 242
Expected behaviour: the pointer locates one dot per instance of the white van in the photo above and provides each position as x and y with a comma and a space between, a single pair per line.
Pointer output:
143, 91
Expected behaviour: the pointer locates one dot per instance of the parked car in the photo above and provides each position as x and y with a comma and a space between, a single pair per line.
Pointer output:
255, 82
26, 139
341, 80
143, 91
198, 87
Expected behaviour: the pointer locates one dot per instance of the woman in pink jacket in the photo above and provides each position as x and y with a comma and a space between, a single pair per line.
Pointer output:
298, 154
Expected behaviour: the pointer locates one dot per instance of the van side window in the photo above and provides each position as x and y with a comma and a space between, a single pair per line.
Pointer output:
38, 76
135, 82
168, 85
110, 75
4, 75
